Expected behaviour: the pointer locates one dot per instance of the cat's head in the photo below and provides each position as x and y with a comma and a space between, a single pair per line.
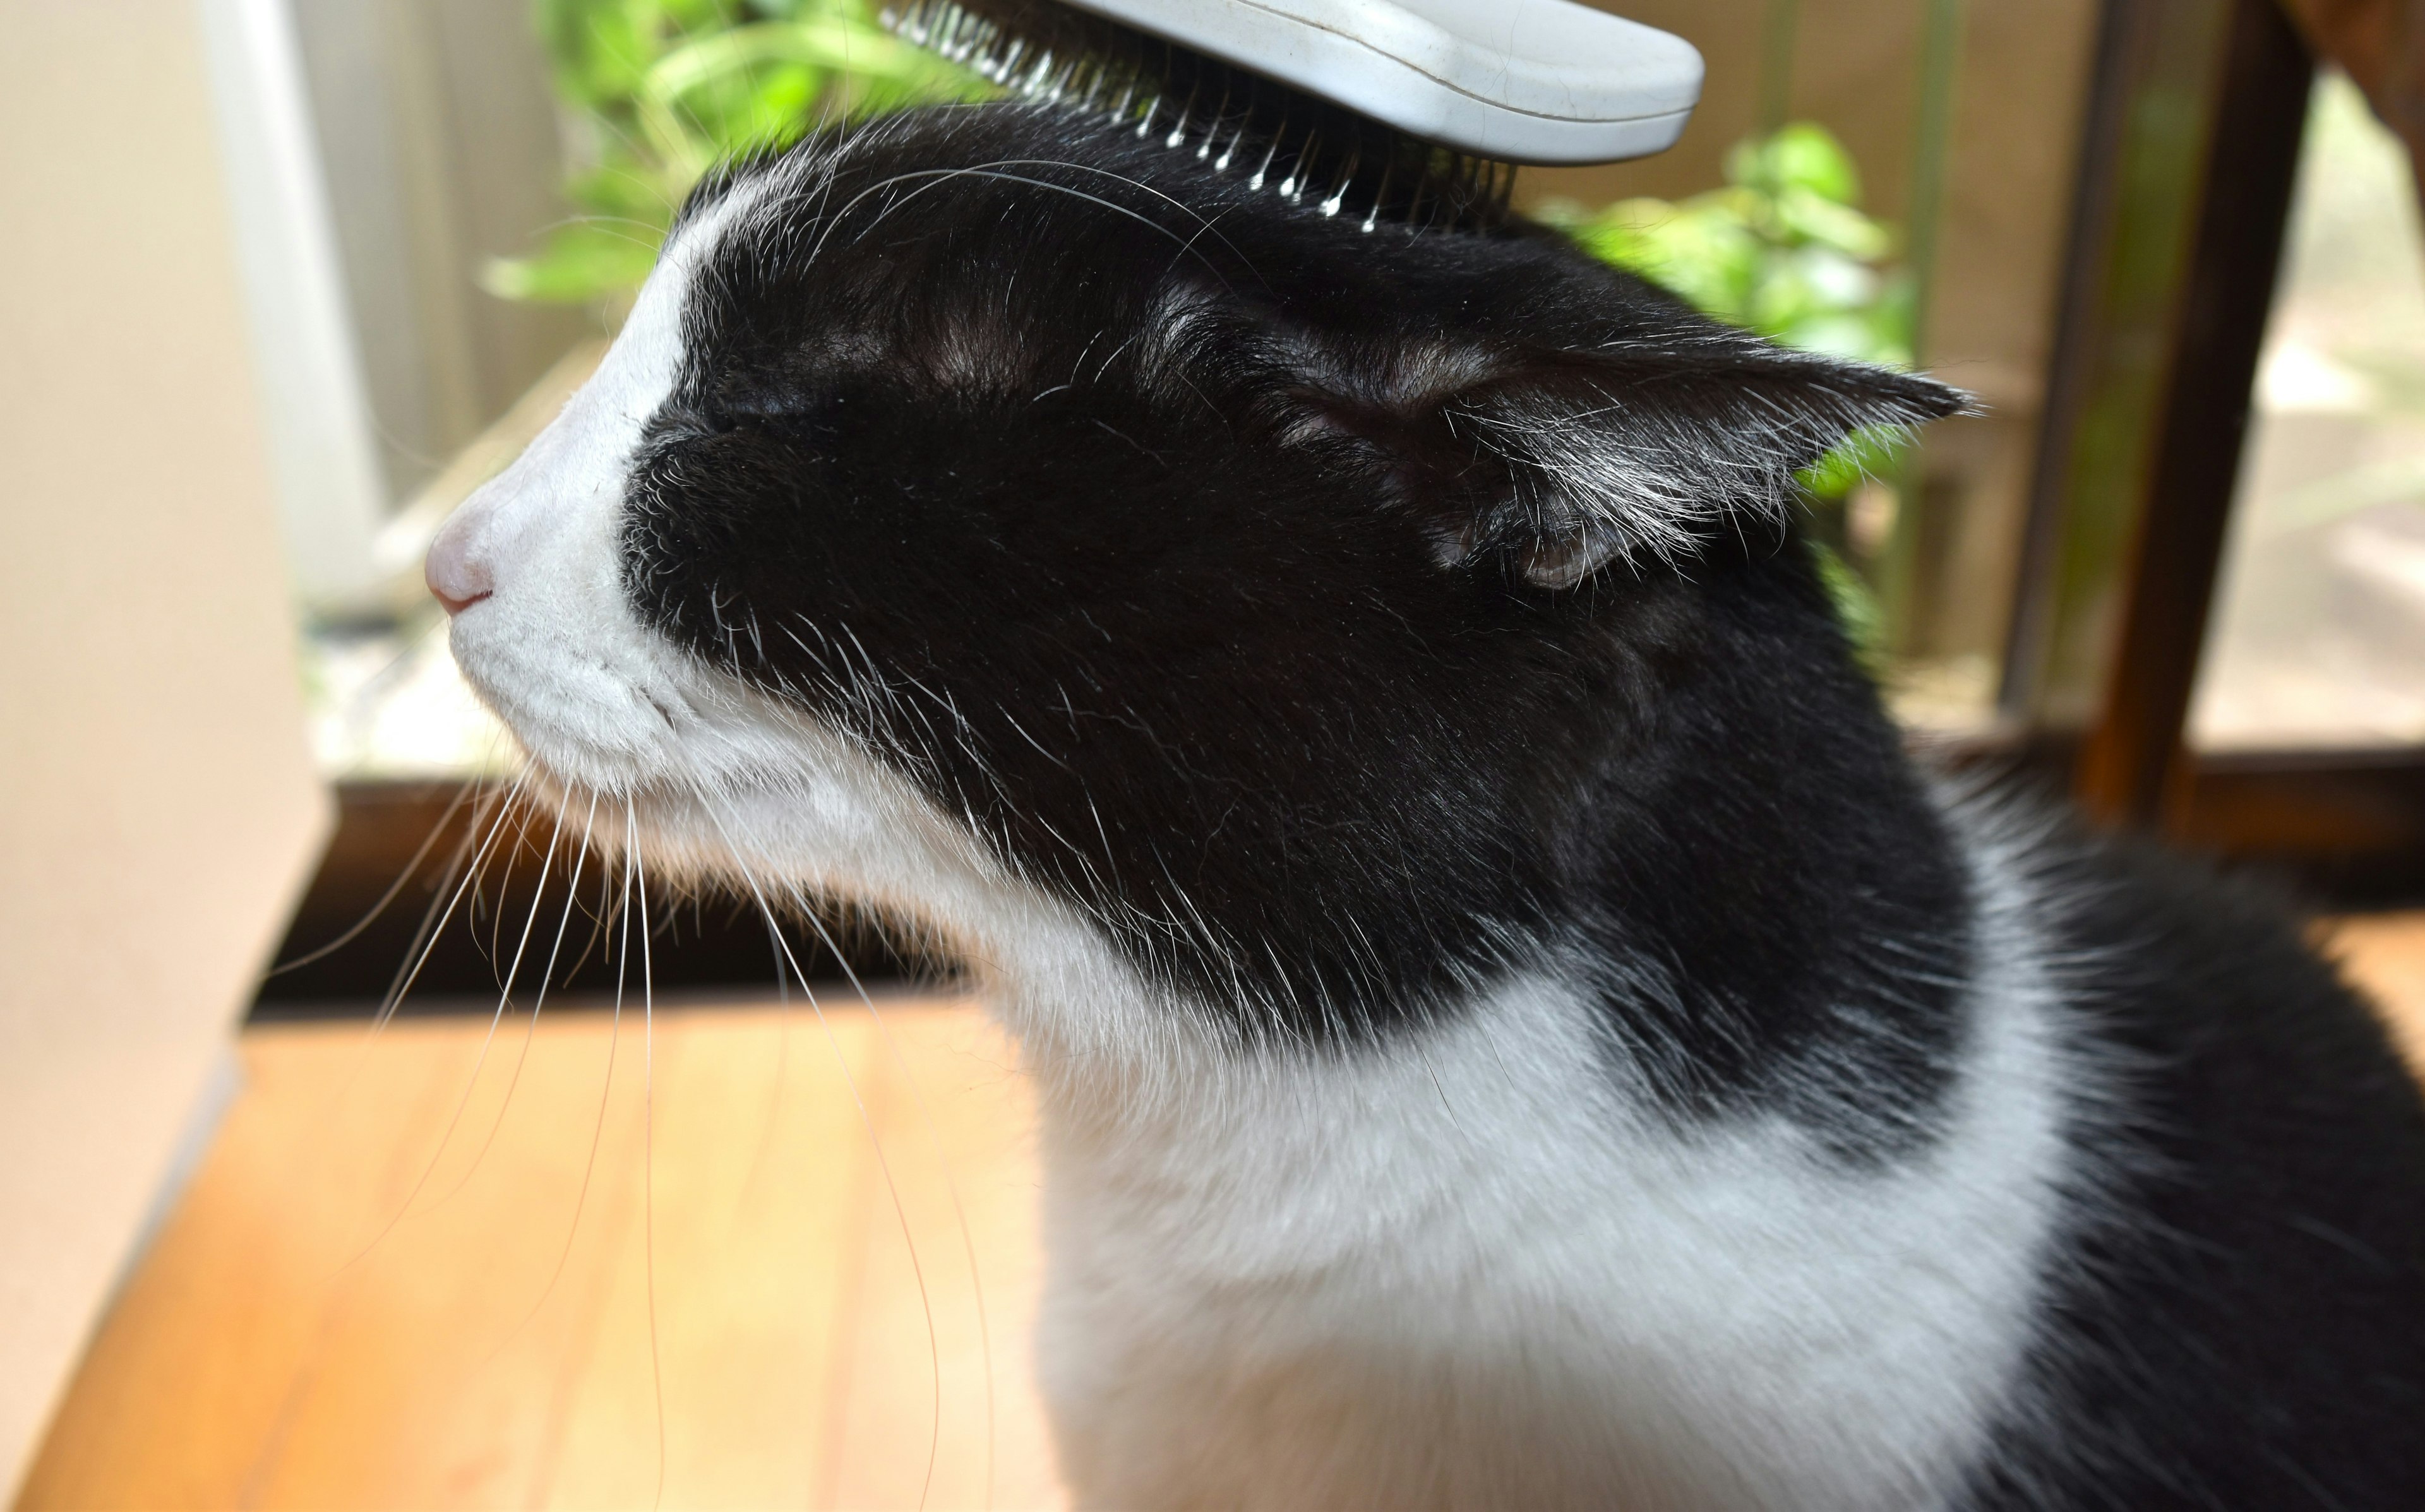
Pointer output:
998, 516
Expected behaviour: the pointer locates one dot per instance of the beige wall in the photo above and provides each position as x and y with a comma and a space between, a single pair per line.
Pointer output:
157, 807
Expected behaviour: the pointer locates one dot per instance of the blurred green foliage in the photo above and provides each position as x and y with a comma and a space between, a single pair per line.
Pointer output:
1783, 249
658, 91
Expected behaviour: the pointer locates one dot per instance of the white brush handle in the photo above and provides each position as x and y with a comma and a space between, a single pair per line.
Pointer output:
1519, 81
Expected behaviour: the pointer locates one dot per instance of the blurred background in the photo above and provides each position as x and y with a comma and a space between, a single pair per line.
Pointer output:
2029, 201
2092, 217
289, 279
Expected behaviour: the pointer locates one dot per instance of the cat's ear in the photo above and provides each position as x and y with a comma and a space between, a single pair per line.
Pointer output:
1564, 460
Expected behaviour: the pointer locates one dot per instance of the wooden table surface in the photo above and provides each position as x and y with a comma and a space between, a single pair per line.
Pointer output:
401, 1280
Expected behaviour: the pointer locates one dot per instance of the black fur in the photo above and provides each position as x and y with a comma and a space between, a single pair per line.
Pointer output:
2241, 1320
1177, 626
1208, 555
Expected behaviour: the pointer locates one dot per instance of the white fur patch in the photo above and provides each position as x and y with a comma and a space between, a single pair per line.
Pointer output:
1473, 1271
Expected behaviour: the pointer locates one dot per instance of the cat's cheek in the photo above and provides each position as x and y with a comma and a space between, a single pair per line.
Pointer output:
579, 705
555, 648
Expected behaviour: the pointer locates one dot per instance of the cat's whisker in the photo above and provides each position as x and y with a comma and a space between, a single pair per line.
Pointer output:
936, 178
613, 907
601, 919
951, 1184
404, 875
782, 1066
472, 1082
875, 1141
418, 956
530, 1030
648, 1137
526, 815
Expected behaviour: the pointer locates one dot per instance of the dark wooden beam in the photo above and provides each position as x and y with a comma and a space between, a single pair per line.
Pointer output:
2131, 766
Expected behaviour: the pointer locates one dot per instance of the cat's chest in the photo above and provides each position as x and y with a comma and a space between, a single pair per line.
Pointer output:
1469, 1270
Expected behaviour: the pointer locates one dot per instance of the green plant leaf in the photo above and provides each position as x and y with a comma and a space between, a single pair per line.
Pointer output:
1807, 215
1858, 608
1864, 453
578, 264
659, 92
1803, 156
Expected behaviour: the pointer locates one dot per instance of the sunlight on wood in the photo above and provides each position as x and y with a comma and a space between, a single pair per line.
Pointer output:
291, 1342
2383, 955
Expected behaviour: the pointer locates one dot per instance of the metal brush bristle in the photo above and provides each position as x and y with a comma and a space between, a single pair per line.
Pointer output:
1276, 138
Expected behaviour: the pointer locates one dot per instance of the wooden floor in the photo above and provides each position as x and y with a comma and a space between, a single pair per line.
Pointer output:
2383, 954
383, 1292
376, 1293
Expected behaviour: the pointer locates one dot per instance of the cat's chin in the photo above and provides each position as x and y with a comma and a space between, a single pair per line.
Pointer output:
747, 797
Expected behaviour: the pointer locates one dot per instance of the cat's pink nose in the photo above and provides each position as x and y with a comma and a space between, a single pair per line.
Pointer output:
456, 576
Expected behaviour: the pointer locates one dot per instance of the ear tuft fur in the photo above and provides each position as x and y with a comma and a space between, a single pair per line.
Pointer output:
1627, 427
1623, 454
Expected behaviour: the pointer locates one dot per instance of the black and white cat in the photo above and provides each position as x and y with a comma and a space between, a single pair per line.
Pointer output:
1513, 1030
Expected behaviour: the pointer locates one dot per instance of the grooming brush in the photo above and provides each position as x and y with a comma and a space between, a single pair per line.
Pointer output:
1407, 112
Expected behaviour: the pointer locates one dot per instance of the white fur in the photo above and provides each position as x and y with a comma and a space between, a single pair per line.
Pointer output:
1474, 1270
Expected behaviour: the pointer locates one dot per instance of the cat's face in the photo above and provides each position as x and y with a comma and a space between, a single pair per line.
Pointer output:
990, 501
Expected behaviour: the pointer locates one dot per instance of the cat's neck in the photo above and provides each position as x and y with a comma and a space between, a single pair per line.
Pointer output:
1509, 1180
1802, 947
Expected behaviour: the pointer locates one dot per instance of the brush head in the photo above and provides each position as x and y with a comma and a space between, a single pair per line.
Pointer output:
1374, 112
